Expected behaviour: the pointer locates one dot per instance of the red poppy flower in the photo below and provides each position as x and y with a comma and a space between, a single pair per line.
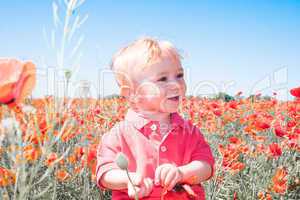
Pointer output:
217, 112
50, 159
180, 192
235, 196
233, 104
214, 105
295, 92
62, 175
279, 131
234, 140
291, 124
275, 150
280, 181
17, 80
261, 125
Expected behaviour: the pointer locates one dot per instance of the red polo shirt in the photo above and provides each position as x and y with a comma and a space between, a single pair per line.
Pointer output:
140, 140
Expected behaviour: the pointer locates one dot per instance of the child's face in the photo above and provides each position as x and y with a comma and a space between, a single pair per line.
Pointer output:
160, 87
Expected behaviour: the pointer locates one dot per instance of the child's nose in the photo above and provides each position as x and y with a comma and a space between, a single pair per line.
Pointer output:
174, 89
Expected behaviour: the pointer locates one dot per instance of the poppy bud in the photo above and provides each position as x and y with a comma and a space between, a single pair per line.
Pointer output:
122, 161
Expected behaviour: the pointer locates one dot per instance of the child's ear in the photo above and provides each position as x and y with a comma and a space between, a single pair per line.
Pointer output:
125, 91
129, 94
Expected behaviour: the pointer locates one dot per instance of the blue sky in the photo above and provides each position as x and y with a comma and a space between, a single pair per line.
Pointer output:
227, 45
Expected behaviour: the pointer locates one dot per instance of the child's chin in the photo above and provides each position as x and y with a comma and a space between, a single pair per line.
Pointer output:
171, 109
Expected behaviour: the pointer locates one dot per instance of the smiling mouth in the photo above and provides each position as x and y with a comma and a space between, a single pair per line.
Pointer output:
176, 98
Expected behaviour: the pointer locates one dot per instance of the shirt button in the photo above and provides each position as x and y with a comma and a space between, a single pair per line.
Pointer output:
163, 148
153, 127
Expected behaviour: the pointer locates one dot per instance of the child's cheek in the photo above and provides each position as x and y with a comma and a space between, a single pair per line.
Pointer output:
149, 91
184, 88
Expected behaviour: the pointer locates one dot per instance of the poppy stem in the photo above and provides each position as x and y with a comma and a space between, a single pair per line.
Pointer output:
135, 193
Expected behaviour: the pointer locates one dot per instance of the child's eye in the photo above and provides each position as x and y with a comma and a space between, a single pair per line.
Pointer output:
180, 75
162, 79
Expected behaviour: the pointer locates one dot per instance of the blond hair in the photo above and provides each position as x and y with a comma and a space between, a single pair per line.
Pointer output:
141, 53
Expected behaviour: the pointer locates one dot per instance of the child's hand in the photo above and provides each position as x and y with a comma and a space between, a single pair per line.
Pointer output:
167, 175
142, 186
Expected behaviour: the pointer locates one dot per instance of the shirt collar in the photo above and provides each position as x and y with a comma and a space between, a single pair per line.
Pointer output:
139, 121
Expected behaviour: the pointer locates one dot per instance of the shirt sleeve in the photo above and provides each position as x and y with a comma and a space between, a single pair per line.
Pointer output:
106, 154
202, 150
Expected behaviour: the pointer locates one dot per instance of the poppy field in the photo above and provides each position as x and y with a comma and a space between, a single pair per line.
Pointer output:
48, 146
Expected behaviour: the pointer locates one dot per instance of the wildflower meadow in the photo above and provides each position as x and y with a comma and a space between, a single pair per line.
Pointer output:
48, 145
